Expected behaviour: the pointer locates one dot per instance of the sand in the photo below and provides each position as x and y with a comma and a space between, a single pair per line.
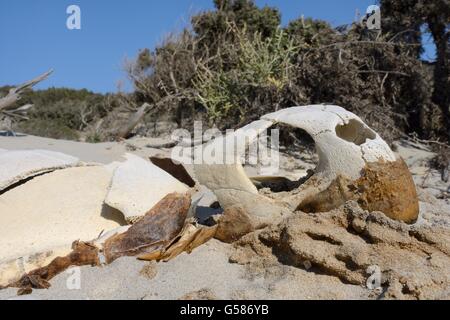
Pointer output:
206, 269
101, 152
207, 272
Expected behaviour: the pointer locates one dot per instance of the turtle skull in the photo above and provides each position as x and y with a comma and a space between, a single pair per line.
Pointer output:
355, 163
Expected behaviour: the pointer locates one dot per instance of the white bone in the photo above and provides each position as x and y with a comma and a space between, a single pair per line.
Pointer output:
40, 219
22, 164
343, 141
137, 185
336, 155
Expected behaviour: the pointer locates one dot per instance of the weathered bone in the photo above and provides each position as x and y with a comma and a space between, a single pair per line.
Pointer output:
36, 230
153, 232
138, 185
22, 164
162, 234
229, 181
40, 219
177, 170
349, 154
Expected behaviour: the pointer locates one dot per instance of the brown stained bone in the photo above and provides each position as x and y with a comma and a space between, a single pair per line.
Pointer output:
190, 238
178, 171
233, 224
389, 188
162, 234
203, 235
155, 231
82, 254
384, 186
337, 193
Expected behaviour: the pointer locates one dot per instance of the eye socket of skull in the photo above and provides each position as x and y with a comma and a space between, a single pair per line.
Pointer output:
355, 132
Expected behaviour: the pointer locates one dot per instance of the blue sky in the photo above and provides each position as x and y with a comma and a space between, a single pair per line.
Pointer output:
34, 36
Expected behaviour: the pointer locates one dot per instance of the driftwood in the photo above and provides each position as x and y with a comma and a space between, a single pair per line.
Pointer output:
133, 122
14, 94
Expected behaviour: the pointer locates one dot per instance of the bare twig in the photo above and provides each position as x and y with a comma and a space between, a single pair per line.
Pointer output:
15, 115
402, 32
378, 43
384, 71
436, 142
23, 108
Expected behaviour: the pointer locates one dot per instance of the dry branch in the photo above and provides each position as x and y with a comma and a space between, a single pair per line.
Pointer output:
14, 94
132, 123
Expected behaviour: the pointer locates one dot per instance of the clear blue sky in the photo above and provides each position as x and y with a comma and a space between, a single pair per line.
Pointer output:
34, 37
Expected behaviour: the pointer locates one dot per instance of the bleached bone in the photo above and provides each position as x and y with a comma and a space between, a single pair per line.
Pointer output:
162, 234
226, 177
137, 185
343, 141
346, 146
40, 219
22, 164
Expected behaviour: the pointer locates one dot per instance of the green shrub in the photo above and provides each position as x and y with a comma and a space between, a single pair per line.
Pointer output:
260, 64
237, 64
61, 112
55, 129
